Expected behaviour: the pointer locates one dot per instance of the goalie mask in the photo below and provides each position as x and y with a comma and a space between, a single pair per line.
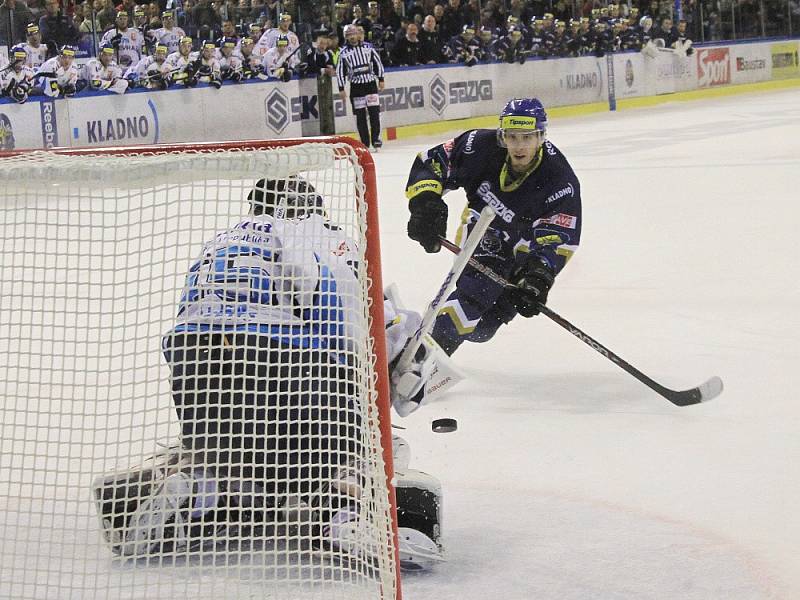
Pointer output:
291, 198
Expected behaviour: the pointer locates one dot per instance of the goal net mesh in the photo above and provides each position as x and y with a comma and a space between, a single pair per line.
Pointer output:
103, 493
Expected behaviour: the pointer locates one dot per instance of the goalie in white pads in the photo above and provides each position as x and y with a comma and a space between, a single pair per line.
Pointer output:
262, 384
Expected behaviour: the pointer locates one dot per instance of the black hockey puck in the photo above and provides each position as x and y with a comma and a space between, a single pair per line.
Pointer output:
444, 425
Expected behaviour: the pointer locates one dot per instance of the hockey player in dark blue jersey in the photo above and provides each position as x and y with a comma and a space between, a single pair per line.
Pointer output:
536, 195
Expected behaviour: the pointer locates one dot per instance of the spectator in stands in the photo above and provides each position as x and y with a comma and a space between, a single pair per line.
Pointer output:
453, 20
37, 8
14, 18
243, 13
91, 19
406, 51
430, 43
229, 30
438, 14
206, 20
417, 11
391, 18
666, 32
373, 12
58, 30
683, 43
106, 13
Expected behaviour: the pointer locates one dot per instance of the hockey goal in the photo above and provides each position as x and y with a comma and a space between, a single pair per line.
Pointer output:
96, 246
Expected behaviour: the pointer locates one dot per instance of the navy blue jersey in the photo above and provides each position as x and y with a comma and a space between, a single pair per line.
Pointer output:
539, 212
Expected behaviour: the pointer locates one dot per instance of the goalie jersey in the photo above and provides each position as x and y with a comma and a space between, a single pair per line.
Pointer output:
292, 279
539, 212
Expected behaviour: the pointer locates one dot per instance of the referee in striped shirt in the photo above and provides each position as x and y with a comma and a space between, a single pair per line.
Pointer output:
362, 66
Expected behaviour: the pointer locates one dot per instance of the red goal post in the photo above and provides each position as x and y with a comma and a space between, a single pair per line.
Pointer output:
343, 149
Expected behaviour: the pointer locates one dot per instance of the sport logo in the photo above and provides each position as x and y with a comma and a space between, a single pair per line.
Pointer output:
470, 139
713, 67
486, 194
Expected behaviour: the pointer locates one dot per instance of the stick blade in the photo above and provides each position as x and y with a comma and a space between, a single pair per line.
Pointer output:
704, 392
710, 389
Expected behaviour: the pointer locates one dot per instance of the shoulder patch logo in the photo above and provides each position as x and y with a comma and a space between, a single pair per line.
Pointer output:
565, 191
470, 139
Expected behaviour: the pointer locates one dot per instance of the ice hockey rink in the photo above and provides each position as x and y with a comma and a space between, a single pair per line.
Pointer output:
567, 478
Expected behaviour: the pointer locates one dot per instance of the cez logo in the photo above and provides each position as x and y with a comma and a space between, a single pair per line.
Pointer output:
486, 194
713, 67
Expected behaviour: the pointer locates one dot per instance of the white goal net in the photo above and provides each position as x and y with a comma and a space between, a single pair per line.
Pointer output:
189, 381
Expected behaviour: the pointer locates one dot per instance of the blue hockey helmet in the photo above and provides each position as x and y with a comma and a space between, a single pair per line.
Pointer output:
523, 115
17, 54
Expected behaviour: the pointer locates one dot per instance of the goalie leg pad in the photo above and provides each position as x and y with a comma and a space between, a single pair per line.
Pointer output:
419, 520
167, 506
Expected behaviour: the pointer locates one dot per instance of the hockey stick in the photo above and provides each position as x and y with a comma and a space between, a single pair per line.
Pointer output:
449, 284
702, 393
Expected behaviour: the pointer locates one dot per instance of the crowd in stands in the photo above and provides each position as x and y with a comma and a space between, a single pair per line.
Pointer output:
183, 42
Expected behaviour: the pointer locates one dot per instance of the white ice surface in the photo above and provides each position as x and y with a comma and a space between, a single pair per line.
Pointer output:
568, 479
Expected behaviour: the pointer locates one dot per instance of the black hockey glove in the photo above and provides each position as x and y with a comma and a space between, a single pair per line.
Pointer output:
428, 220
215, 82
533, 280
68, 90
116, 40
287, 74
